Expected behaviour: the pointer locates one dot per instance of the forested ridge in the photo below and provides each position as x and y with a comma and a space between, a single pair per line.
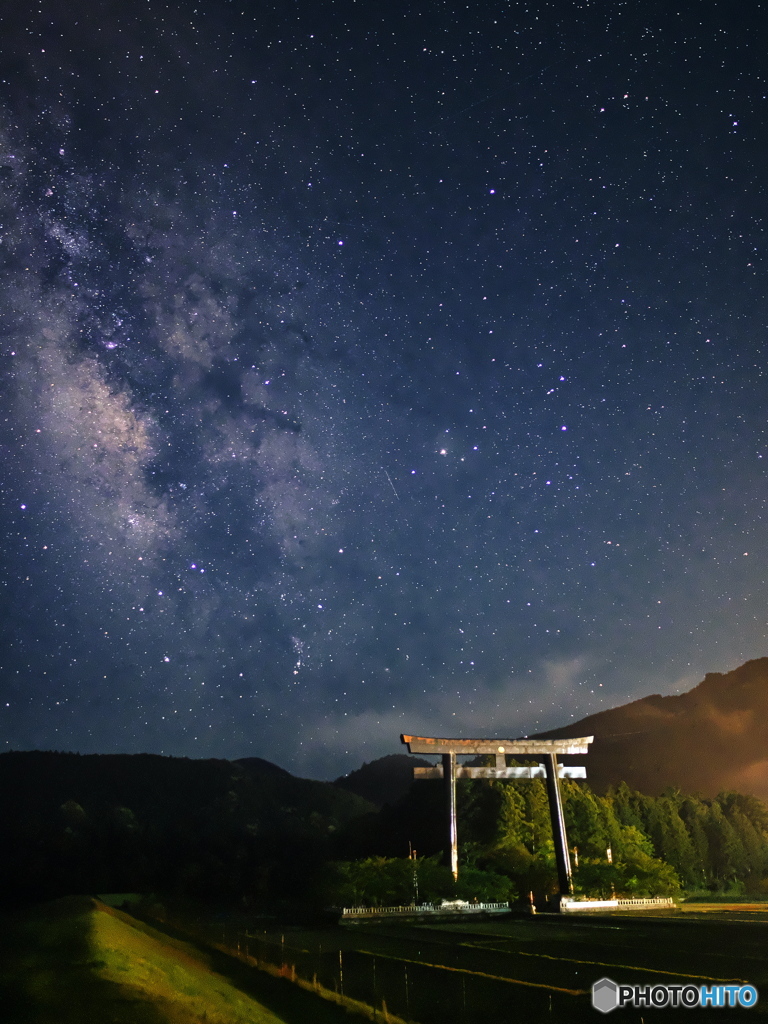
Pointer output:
250, 833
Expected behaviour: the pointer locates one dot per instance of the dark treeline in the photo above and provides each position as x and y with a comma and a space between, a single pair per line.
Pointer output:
243, 831
249, 833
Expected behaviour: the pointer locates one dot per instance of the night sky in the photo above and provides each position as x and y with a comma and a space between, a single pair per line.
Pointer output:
376, 367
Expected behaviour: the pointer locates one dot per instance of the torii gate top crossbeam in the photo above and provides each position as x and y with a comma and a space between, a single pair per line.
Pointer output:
431, 745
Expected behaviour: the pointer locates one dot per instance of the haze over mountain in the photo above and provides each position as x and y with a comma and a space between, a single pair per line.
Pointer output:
710, 739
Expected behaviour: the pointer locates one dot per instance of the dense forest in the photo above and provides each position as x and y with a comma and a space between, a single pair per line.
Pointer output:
625, 840
624, 843
249, 833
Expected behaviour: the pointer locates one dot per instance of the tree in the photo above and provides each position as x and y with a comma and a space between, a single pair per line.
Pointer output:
670, 837
693, 813
382, 881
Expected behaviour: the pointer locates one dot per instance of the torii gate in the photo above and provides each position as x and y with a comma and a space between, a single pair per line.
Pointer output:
550, 770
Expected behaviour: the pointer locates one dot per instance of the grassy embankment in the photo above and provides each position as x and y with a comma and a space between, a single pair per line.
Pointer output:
77, 960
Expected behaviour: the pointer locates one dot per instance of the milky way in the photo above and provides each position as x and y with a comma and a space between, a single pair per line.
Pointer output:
368, 369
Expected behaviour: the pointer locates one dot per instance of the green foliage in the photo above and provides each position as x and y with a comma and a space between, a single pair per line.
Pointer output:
375, 882
73, 960
624, 843
392, 881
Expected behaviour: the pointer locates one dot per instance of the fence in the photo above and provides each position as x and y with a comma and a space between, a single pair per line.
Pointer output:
391, 987
427, 908
658, 901
570, 906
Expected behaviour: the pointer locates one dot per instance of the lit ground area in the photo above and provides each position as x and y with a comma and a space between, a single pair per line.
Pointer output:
76, 960
730, 911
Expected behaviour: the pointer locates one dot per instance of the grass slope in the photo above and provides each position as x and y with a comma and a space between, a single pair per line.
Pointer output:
77, 960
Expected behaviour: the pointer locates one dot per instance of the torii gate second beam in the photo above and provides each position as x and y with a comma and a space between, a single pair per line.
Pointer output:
449, 748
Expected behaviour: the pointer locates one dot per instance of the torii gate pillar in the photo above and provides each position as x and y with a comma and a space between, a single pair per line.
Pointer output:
449, 771
562, 856
449, 775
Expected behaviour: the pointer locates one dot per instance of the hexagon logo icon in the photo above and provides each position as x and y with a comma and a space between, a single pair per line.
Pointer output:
605, 995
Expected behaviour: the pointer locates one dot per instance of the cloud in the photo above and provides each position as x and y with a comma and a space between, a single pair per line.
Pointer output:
507, 711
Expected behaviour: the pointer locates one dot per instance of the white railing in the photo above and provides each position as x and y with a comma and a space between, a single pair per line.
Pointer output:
425, 908
474, 908
654, 901
569, 905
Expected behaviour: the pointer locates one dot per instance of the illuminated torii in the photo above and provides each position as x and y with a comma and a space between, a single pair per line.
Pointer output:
550, 770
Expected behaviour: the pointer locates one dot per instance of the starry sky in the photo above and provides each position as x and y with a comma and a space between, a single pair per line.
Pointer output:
375, 367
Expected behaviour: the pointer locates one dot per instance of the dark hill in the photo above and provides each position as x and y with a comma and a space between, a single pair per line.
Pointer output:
120, 823
383, 781
710, 739
259, 765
